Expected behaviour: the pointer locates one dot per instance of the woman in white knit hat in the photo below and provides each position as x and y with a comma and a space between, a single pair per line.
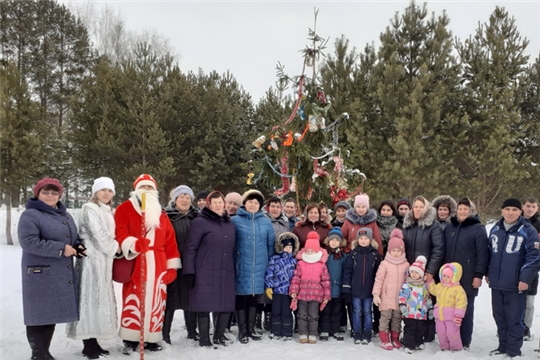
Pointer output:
97, 305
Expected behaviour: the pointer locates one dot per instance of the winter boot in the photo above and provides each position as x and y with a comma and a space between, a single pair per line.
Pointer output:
258, 323
385, 340
303, 339
152, 346
90, 350
267, 321
167, 323
241, 319
312, 339
204, 331
324, 336
219, 332
48, 339
190, 318
252, 320
37, 340
129, 347
527, 334
395, 339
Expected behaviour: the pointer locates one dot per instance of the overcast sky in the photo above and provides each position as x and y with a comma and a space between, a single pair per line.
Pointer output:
250, 37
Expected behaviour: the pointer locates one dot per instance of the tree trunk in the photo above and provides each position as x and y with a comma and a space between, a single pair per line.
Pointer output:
9, 238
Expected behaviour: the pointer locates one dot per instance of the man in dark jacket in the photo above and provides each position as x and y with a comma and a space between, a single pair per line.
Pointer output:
466, 242
530, 212
290, 210
514, 250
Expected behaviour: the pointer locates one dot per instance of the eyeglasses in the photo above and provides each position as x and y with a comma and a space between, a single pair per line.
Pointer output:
50, 192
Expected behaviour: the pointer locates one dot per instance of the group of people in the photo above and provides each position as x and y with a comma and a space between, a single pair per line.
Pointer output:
241, 258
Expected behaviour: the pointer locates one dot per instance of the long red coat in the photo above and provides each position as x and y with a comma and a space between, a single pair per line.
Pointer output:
162, 255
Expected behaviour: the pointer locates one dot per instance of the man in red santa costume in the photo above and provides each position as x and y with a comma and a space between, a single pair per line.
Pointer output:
159, 247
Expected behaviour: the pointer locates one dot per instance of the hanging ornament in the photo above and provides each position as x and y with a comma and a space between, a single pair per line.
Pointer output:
249, 180
258, 143
293, 184
312, 123
285, 180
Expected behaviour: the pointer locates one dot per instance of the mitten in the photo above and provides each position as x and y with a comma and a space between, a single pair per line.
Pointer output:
189, 280
142, 245
323, 305
457, 320
169, 276
403, 309
430, 314
346, 298
80, 248
269, 292
377, 300
294, 304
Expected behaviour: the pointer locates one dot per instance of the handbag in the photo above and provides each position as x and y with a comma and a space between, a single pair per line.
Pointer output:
122, 270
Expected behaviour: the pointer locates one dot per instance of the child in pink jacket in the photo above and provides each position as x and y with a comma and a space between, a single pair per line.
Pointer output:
310, 286
390, 276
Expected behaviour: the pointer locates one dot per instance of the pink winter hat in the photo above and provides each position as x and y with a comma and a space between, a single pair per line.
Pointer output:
419, 265
313, 241
396, 240
362, 199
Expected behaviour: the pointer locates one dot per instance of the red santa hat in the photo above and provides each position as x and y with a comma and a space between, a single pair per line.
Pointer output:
313, 242
419, 265
145, 179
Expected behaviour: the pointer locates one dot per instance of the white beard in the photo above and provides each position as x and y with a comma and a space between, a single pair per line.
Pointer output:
153, 207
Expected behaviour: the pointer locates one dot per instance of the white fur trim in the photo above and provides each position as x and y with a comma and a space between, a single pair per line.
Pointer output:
175, 263
128, 248
146, 182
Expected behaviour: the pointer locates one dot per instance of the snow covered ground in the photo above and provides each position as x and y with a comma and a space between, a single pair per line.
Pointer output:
14, 345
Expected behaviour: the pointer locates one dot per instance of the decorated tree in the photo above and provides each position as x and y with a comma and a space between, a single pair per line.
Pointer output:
301, 152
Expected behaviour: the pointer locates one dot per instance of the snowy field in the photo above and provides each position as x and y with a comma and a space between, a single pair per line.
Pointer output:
14, 345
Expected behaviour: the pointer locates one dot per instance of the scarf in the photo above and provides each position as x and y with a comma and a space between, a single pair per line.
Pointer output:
336, 252
313, 258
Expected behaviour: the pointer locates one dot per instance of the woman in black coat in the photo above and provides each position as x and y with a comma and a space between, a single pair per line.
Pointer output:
181, 212
466, 242
423, 235
209, 268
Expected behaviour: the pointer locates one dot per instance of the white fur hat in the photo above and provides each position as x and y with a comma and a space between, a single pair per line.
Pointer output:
102, 183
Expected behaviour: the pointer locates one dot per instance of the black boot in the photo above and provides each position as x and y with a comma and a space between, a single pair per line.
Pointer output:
129, 347
267, 321
252, 318
37, 339
102, 351
219, 331
90, 350
204, 329
167, 323
48, 340
258, 322
241, 320
191, 324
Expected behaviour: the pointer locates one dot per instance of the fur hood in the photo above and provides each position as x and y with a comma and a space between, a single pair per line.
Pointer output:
373, 244
279, 247
426, 219
445, 199
356, 219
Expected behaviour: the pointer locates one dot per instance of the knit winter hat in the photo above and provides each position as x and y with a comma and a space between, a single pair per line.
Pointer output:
404, 201
396, 240
102, 183
361, 199
48, 181
145, 179
312, 241
365, 232
512, 203
234, 197
419, 265
182, 189
211, 195
287, 241
202, 195
253, 194
335, 233
343, 204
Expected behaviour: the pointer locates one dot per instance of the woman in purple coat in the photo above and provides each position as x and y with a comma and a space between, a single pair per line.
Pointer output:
209, 268
49, 240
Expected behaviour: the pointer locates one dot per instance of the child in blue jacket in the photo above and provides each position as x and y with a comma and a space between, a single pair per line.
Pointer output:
277, 280
330, 319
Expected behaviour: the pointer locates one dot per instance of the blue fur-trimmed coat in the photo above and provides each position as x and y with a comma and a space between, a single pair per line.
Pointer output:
254, 246
49, 279
279, 273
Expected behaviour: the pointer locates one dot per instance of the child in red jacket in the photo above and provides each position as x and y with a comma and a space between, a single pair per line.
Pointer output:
310, 286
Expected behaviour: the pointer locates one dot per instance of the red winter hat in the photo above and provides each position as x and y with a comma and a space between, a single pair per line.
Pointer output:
313, 241
48, 181
396, 240
145, 179
419, 265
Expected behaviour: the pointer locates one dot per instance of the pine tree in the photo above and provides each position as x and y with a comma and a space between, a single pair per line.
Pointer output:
495, 84
21, 138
